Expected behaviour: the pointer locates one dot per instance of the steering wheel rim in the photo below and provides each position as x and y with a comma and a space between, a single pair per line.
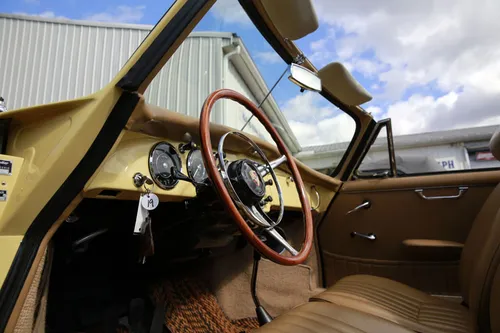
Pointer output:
215, 176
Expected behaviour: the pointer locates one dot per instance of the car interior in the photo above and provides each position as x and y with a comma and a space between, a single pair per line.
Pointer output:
130, 217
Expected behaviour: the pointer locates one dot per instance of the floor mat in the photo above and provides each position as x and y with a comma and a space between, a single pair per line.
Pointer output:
280, 288
191, 307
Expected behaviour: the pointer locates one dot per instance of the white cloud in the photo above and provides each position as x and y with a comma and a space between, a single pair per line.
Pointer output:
374, 110
306, 106
339, 128
453, 110
268, 57
314, 122
46, 14
230, 12
122, 14
433, 64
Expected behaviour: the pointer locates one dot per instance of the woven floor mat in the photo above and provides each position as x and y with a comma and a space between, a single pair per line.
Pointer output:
191, 307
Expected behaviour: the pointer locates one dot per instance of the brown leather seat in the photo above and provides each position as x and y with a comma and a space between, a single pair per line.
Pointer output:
400, 304
430, 313
421, 312
327, 317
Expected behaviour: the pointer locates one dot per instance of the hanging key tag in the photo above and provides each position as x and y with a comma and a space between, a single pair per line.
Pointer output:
141, 219
149, 201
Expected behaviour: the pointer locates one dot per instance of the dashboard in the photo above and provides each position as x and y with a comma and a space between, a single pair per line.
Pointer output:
152, 147
154, 157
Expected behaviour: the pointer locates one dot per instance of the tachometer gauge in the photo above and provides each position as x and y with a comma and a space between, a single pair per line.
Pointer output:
161, 160
195, 167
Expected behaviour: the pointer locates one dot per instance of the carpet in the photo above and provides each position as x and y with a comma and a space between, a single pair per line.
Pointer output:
192, 307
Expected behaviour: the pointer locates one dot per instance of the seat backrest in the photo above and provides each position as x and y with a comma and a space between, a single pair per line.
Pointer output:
481, 253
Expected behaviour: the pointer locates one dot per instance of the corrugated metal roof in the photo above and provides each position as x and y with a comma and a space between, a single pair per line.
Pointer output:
418, 140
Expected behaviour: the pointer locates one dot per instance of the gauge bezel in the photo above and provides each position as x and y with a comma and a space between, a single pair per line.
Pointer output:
174, 155
188, 164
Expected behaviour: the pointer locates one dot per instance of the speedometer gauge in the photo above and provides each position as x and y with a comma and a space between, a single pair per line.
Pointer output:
161, 160
195, 167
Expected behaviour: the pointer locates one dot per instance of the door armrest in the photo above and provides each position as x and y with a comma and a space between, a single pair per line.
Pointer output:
431, 243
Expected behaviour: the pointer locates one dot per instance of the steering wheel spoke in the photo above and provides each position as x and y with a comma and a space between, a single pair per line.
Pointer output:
276, 235
264, 169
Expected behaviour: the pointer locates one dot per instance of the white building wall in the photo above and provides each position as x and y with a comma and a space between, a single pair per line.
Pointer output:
236, 115
450, 157
49, 60
44, 61
321, 161
190, 75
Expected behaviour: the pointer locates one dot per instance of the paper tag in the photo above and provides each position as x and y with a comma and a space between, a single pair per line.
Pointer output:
141, 219
5, 167
150, 201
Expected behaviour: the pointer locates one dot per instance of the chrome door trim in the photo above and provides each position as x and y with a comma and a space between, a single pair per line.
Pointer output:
414, 188
461, 191
364, 205
370, 236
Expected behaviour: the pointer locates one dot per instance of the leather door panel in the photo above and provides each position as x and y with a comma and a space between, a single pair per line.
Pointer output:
418, 241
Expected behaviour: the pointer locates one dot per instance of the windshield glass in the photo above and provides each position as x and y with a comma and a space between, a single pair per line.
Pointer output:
227, 51
432, 68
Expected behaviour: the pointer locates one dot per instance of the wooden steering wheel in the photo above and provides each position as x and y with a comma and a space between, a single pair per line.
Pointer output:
241, 186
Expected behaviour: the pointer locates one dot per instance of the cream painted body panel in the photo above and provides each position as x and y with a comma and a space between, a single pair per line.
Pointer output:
44, 137
9, 247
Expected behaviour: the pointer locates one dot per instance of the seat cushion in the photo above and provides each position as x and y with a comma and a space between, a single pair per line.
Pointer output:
319, 317
399, 303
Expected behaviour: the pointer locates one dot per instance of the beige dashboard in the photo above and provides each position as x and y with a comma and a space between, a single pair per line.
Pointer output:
150, 125
114, 180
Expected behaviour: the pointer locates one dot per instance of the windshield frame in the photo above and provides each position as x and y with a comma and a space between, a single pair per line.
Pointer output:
253, 13
141, 73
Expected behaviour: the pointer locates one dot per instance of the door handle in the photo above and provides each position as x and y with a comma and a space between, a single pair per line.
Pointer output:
365, 205
370, 236
461, 191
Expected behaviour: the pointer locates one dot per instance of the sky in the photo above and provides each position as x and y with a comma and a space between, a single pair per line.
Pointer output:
429, 64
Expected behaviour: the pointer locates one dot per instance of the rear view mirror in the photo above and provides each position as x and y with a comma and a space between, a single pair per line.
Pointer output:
304, 78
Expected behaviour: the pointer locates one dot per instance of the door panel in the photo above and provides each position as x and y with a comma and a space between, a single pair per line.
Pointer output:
418, 242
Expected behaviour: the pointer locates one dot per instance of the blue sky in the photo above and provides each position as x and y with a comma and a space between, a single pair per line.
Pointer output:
430, 65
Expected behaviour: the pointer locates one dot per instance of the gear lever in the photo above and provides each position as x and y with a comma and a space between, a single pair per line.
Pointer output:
262, 315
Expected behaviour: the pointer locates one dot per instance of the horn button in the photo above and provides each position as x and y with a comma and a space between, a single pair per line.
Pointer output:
247, 181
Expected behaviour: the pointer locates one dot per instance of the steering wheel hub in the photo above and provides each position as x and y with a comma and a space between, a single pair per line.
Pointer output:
247, 181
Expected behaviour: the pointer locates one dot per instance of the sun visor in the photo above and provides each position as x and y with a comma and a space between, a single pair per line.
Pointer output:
340, 82
293, 19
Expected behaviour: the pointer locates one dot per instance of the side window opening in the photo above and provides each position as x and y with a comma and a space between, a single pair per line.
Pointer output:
461, 150
379, 161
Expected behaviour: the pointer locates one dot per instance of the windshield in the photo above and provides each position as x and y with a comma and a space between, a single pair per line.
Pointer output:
432, 68
227, 51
